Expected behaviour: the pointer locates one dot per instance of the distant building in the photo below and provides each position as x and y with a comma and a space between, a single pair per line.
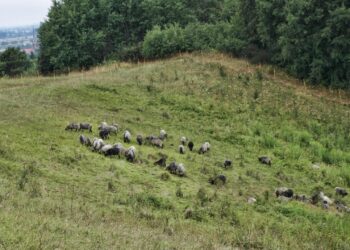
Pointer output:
29, 51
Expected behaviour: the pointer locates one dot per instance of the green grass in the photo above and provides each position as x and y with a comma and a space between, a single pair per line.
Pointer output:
55, 193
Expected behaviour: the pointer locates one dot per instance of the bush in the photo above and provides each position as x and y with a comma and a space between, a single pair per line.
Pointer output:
304, 139
202, 196
179, 193
160, 43
13, 62
333, 156
268, 141
132, 53
317, 150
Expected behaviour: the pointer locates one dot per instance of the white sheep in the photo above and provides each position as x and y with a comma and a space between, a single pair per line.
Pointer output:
110, 128
204, 148
181, 171
163, 134
182, 149
105, 148
130, 154
325, 199
183, 140
127, 136
97, 144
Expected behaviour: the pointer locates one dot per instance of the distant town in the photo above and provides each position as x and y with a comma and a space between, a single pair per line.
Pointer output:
24, 38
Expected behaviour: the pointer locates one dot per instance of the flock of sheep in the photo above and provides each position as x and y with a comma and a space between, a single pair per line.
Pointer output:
118, 150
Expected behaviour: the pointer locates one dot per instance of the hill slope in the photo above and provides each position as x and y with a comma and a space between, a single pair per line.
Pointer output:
55, 193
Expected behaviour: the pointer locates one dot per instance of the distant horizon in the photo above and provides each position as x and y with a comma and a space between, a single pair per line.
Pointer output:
20, 26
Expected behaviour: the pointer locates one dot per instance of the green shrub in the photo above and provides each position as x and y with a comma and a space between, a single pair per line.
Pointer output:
268, 141
202, 196
317, 150
179, 193
160, 43
293, 151
333, 156
304, 138
13, 62
289, 134
315, 127
132, 53
149, 200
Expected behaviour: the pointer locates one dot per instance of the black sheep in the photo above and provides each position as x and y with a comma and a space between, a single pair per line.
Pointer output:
265, 160
161, 162
218, 179
341, 191
85, 126
104, 134
227, 163
72, 126
283, 191
190, 145
139, 139
113, 151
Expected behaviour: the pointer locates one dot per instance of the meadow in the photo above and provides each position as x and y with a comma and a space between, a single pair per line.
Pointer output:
57, 194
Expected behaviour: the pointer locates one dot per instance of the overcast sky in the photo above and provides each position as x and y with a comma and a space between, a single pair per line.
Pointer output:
23, 12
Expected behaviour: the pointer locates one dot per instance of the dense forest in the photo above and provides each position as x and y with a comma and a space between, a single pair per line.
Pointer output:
310, 39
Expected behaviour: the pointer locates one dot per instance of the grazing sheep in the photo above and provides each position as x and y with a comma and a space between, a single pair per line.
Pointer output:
265, 160
104, 134
227, 163
190, 146
204, 148
251, 200
157, 143
139, 139
112, 129
284, 192
151, 137
102, 126
301, 197
105, 148
182, 149
176, 169
85, 126
172, 167
325, 199
88, 143
97, 144
325, 205
183, 140
181, 170
314, 199
117, 150
218, 179
341, 191
72, 126
85, 140
130, 154
161, 162
341, 207
82, 139
115, 125
163, 135
127, 136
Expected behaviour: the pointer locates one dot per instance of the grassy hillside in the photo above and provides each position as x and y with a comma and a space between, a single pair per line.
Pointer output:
55, 193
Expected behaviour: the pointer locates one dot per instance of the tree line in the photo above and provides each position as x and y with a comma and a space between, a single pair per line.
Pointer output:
308, 38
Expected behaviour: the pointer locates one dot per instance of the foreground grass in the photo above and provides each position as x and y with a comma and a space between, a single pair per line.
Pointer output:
55, 193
